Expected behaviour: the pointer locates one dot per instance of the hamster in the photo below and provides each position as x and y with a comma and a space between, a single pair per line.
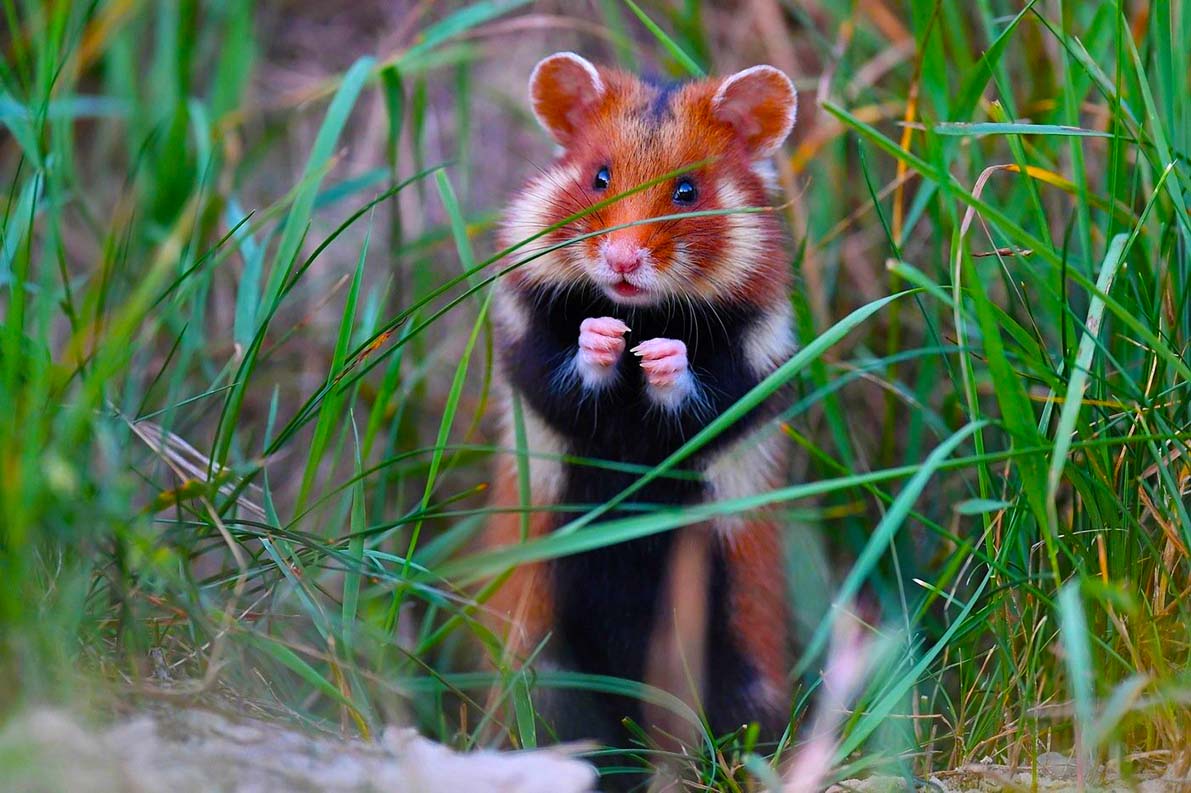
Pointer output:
624, 345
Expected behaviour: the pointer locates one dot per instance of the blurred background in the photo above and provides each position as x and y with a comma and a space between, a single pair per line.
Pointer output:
246, 362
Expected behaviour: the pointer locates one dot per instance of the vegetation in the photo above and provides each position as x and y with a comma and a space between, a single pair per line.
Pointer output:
245, 355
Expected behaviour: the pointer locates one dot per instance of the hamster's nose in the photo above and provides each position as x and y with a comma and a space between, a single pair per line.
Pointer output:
623, 256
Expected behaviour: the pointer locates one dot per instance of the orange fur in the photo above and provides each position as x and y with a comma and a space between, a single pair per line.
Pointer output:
757, 582
521, 609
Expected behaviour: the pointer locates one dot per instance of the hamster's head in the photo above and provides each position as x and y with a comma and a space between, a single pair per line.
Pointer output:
701, 146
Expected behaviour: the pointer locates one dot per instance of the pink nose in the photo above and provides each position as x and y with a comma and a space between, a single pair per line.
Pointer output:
623, 256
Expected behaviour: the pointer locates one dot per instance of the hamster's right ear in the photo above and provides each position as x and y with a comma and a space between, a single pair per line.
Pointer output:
562, 89
760, 104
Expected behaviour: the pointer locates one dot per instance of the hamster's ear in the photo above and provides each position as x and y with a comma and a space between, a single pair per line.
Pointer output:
562, 89
760, 104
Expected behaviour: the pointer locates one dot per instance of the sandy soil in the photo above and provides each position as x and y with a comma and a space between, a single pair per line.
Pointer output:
1055, 773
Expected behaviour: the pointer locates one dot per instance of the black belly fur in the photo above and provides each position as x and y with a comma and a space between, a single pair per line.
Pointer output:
607, 599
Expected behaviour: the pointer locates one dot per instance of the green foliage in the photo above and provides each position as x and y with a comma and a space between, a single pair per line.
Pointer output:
241, 399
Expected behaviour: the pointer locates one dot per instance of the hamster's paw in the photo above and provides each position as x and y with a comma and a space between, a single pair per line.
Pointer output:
667, 371
601, 343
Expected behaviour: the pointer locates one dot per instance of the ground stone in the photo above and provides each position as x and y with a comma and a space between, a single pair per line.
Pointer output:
189, 750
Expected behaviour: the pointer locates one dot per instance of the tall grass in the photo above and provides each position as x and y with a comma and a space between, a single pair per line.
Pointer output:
245, 356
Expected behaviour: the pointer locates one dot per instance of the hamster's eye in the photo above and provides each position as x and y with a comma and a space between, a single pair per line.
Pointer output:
685, 192
602, 177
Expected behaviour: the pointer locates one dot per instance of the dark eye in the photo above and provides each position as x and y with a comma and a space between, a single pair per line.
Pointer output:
685, 192
602, 177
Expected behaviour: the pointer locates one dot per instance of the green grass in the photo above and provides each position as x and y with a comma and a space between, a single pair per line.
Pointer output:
245, 356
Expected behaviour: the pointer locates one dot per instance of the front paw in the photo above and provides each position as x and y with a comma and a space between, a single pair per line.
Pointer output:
601, 343
666, 370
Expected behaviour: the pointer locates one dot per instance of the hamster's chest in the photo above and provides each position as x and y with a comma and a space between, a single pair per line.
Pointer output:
621, 418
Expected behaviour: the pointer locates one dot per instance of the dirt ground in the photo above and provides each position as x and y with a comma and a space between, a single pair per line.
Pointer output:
1055, 773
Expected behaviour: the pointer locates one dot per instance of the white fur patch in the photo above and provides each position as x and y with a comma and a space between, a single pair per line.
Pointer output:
509, 314
769, 342
765, 171
545, 448
745, 244
530, 213
751, 466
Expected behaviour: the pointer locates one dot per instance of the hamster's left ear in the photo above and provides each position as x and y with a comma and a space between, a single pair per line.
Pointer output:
562, 90
760, 104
